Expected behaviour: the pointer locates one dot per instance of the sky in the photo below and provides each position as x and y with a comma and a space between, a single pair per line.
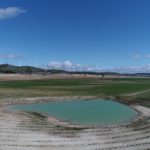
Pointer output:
76, 34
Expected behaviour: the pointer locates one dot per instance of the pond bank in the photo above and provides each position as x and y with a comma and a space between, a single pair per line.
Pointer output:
68, 98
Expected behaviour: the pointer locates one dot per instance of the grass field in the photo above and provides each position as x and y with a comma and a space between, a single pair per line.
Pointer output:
128, 89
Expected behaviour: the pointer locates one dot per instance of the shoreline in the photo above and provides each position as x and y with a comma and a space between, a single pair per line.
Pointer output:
33, 100
22, 130
58, 122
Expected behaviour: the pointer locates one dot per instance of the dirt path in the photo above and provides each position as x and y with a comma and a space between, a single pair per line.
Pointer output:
137, 93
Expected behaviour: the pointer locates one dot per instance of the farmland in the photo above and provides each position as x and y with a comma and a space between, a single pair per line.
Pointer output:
129, 90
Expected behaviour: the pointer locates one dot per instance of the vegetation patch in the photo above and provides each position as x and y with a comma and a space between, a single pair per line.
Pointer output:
130, 90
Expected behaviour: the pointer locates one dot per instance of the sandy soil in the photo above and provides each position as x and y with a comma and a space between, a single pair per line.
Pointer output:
40, 76
55, 76
24, 131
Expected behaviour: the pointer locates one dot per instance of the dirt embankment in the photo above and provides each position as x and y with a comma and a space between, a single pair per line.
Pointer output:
23, 131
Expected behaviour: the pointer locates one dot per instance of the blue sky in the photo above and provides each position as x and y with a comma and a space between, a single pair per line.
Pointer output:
89, 33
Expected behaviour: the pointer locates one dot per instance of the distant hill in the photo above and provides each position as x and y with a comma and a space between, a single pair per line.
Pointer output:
7, 68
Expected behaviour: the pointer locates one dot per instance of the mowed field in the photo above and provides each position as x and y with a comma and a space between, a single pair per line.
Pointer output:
130, 90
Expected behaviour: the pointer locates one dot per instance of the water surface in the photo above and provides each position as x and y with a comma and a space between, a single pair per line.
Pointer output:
85, 112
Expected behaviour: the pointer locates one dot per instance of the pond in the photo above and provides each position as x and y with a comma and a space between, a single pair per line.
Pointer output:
84, 112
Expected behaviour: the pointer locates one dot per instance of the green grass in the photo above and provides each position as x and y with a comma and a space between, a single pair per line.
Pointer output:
123, 87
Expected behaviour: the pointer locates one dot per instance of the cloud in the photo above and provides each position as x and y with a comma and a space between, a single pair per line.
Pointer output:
131, 69
10, 56
137, 56
147, 56
10, 12
68, 66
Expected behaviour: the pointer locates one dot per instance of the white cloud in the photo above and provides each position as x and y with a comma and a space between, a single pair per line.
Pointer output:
131, 69
147, 56
68, 66
54, 65
137, 56
10, 56
10, 12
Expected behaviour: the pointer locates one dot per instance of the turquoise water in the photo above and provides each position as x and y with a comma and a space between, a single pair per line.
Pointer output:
84, 112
